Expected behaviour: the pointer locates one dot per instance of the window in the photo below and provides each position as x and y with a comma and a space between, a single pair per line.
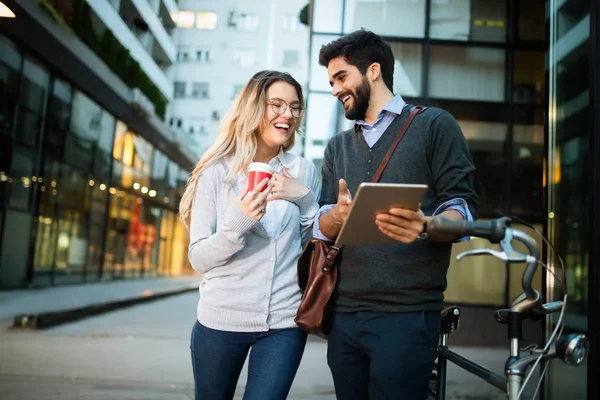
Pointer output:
90, 141
532, 19
529, 79
185, 19
179, 90
244, 57
291, 58
404, 18
407, 68
468, 20
203, 55
327, 16
243, 22
319, 80
200, 90
469, 73
206, 20
486, 143
291, 23
183, 56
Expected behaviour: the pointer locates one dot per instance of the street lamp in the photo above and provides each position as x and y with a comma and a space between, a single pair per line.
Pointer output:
5, 12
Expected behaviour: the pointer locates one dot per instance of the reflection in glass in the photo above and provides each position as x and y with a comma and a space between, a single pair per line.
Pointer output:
34, 86
9, 82
20, 180
481, 20
28, 127
567, 174
47, 223
58, 119
468, 73
398, 18
407, 68
529, 82
532, 19
92, 131
527, 172
9, 54
486, 142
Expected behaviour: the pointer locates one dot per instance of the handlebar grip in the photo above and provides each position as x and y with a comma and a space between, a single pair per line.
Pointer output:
493, 230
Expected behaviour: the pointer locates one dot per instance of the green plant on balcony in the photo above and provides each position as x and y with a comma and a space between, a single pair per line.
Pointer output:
78, 15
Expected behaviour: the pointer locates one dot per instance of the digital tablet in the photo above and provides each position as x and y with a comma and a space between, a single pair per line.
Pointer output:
373, 198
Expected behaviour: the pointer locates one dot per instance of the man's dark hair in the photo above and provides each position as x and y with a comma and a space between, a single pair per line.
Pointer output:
361, 49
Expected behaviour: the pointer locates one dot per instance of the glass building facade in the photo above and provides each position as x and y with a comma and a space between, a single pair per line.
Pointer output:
82, 196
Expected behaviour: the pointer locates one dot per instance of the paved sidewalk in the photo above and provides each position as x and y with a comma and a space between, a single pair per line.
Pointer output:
61, 298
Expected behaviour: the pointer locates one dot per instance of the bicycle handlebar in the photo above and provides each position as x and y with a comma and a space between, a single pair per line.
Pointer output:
493, 230
497, 231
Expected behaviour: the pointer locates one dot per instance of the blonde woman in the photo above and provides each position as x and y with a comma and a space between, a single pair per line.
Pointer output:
246, 244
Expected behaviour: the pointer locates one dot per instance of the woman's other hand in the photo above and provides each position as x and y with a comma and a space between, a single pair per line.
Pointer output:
286, 187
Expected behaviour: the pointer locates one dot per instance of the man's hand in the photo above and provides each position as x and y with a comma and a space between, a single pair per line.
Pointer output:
401, 224
405, 225
331, 222
342, 208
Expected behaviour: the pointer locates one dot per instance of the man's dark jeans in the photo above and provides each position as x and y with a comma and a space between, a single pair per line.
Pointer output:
218, 358
379, 356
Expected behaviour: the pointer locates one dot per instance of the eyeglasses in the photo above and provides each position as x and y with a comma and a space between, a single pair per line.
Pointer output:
279, 107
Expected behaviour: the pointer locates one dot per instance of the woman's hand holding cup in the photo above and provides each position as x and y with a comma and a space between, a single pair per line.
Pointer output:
253, 202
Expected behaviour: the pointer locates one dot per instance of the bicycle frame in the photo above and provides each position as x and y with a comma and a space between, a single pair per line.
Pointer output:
445, 354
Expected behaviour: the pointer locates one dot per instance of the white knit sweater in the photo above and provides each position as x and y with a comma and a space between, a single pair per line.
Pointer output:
249, 279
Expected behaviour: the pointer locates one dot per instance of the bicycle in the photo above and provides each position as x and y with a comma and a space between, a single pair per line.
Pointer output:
571, 349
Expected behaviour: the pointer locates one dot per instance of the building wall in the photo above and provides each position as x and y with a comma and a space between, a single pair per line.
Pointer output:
220, 46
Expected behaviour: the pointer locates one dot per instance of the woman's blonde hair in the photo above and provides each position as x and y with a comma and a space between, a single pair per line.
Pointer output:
237, 135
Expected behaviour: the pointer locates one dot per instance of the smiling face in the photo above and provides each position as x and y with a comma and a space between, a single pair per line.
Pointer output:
350, 87
279, 123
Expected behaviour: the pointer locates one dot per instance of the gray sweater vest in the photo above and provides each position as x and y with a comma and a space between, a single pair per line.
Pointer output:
400, 277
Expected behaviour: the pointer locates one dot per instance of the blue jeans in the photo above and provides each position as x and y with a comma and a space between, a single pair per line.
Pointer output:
218, 358
379, 356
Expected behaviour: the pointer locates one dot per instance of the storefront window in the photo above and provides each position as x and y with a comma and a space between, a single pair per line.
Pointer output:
90, 142
132, 157
58, 119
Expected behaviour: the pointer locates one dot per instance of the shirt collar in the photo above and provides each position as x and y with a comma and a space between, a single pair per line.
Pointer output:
394, 106
284, 158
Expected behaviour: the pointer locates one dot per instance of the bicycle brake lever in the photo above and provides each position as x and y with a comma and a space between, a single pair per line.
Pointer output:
510, 256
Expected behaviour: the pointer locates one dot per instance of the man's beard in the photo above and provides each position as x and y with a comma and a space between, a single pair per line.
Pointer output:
361, 101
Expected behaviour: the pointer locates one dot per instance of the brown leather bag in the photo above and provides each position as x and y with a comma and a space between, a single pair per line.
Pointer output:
317, 272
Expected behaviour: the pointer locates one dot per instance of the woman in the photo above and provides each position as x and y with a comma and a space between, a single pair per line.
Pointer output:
246, 244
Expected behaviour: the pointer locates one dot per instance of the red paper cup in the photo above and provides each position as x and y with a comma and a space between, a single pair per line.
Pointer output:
256, 173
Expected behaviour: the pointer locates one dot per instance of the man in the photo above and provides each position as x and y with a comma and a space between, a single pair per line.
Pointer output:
386, 319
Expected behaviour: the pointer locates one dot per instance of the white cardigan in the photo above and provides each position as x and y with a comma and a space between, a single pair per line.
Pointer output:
249, 280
